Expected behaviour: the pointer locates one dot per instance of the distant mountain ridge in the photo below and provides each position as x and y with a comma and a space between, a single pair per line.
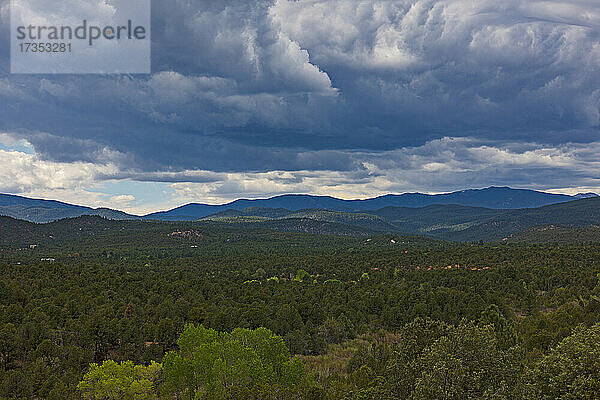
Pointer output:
492, 197
440, 221
499, 198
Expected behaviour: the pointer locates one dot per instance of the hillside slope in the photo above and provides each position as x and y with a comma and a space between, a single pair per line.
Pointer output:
557, 234
448, 222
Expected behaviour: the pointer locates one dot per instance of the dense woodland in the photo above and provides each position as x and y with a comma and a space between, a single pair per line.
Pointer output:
99, 309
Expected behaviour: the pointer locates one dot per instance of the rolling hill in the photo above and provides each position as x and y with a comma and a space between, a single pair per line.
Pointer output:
557, 234
40, 211
253, 214
448, 222
578, 213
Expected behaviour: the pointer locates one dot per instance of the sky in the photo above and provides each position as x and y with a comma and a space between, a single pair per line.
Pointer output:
346, 98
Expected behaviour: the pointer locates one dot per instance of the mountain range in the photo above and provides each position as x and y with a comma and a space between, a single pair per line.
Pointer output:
492, 197
481, 214
41, 211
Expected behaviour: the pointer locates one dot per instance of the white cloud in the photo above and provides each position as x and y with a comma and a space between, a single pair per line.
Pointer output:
437, 166
121, 201
25, 173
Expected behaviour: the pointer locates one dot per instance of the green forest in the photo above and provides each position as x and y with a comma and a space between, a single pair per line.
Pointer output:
98, 309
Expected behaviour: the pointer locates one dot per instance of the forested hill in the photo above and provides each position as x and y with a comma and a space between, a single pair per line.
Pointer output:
39, 210
470, 224
579, 213
557, 234
448, 222
90, 233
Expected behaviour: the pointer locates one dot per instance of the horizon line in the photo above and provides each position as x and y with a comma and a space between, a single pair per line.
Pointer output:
301, 194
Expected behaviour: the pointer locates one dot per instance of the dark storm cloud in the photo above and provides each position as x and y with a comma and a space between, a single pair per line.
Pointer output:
321, 85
